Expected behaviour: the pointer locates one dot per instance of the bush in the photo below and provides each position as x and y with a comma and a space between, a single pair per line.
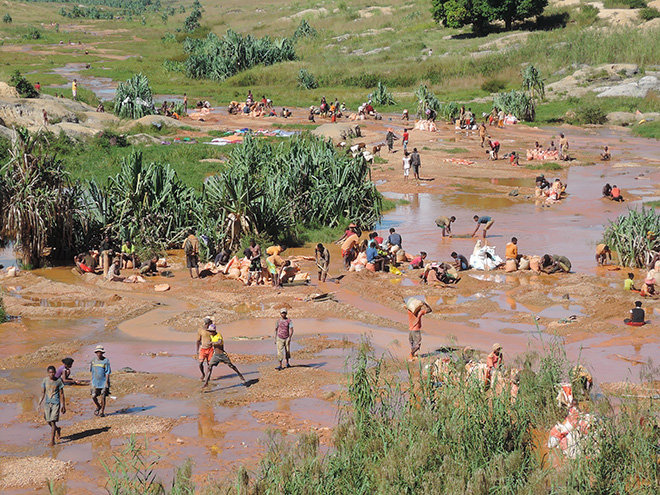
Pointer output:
192, 21
7, 19
32, 34
648, 13
168, 38
382, 96
591, 113
635, 237
23, 86
637, 4
134, 98
306, 80
304, 30
173, 66
493, 86
3, 313
519, 103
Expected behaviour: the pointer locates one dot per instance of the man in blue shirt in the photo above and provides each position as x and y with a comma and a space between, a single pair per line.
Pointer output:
373, 257
486, 221
100, 368
394, 239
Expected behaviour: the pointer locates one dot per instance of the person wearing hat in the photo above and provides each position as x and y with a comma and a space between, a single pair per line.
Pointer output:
219, 355
493, 362
204, 344
390, 137
283, 334
100, 368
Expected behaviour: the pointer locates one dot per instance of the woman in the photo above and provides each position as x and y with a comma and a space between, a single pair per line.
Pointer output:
406, 165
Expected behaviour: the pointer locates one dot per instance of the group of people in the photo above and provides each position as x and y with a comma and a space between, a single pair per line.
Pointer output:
538, 152
612, 193
105, 259
411, 161
550, 193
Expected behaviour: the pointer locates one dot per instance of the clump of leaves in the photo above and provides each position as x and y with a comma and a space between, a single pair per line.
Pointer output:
134, 98
306, 80
382, 96
23, 86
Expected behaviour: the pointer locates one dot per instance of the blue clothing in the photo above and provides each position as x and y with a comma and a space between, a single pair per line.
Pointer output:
463, 261
484, 220
100, 368
52, 390
394, 239
372, 253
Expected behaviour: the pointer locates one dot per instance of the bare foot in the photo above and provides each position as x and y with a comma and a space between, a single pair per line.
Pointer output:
51, 443
58, 433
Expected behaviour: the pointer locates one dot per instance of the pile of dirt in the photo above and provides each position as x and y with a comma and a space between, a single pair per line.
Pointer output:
31, 471
338, 131
51, 353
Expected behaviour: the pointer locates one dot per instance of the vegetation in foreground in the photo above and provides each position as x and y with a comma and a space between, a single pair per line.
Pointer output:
635, 237
419, 437
275, 191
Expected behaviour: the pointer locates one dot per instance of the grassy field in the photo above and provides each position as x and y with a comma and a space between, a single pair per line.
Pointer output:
357, 45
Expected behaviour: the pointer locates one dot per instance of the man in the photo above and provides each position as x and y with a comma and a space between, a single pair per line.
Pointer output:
406, 136
114, 275
494, 149
373, 257
204, 349
255, 262
415, 330
482, 133
563, 147
53, 392
394, 239
128, 254
493, 363
511, 252
486, 221
348, 249
637, 316
100, 368
106, 253
616, 194
460, 262
415, 163
74, 89
603, 253
283, 335
185, 104
150, 267
191, 248
219, 355
445, 224
389, 138
322, 256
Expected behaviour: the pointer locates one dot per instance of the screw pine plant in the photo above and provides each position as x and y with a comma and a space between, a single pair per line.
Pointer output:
134, 98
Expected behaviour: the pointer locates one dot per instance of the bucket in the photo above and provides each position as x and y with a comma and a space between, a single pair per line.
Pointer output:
524, 264
511, 266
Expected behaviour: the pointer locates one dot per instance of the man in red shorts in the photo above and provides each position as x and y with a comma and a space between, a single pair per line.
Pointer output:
204, 344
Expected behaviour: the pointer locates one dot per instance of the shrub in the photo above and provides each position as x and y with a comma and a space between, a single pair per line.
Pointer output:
32, 34
382, 96
519, 103
192, 21
306, 80
635, 237
493, 85
168, 38
648, 13
361, 81
588, 14
134, 98
23, 86
591, 113
3, 313
637, 4
304, 30
173, 66
6, 18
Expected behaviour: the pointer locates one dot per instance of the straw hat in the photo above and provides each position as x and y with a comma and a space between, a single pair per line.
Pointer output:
99, 348
497, 347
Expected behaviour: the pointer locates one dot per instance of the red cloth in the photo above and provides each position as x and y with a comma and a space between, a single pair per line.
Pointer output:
616, 192
415, 322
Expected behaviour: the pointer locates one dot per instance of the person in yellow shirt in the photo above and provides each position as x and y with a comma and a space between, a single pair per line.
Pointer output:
74, 89
512, 250
219, 355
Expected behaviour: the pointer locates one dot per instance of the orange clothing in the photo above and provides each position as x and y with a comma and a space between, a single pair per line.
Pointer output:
415, 322
493, 360
511, 251
274, 250
352, 241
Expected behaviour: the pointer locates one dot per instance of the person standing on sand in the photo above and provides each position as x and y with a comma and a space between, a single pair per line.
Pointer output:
445, 224
191, 248
416, 162
100, 368
482, 133
74, 89
563, 147
322, 256
389, 137
283, 335
219, 355
185, 104
406, 137
53, 393
415, 330
486, 221
406, 165
493, 362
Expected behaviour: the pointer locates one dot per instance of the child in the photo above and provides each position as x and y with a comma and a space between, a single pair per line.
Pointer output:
53, 392
100, 368
637, 316
628, 283
418, 262
406, 165
219, 355
64, 372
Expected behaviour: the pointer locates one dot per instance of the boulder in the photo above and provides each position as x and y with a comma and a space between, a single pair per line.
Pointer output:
7, 91
637, 89
155, 120
100, 120
142, 139
24, 112
6, 132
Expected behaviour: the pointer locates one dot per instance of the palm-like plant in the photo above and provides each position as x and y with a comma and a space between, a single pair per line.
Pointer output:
134, 98
532, 82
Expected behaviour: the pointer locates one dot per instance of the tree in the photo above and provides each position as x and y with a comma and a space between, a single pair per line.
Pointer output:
192, 21
23, 86
532, 82
480, 13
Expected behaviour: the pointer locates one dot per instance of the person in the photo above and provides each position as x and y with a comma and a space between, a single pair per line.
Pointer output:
283, 335
100, 368
552, 148
45, 116
394, 239
405, 115
54, 402
461, 263
74, 89
191, 249
416, 163
415, 329
628, 284
114, 274
500, 118
616, 194
406, 137
486, 221
542, 182
128, 254
219, 355
100, 108
493, 362
185, 104
461, 116
511, 252
150, 267
648, 287
637, 316
514, 159
605, 155
322, 256
64, 372
607, 191
373, 257
204, 347
563, 147
390, 137
348, 248
494, 149
406, 165
418, 262
222, 258
379, 240
37, 86
468, 118
482, 133
445, 224
603, 253
555, 263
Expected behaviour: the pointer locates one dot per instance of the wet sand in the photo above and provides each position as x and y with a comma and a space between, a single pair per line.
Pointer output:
222, 427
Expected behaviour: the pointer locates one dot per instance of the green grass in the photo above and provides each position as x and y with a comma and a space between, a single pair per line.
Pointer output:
652, 204
543, 166
454, 150
649, 130
391, 204
295, 127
